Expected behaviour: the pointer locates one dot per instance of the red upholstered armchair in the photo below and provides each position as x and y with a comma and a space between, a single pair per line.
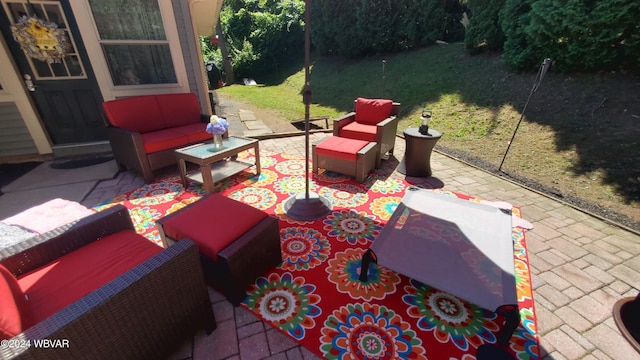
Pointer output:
373, 120
96, 289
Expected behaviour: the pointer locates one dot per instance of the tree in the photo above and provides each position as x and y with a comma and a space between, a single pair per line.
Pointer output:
519, 53
226, 58
354, 28
263, 36
579, 35
584, 35
484, 32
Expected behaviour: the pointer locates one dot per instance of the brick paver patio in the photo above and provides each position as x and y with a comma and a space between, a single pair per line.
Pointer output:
580, 266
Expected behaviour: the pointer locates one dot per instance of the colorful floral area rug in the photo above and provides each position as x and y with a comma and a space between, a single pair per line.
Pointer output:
315, 296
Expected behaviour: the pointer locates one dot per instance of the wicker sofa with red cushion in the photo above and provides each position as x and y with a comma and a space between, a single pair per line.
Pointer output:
145, 130
101, 291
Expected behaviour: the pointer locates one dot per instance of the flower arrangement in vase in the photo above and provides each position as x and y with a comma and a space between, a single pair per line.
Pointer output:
217, 126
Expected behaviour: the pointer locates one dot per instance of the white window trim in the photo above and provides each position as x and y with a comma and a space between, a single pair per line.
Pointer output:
90, 38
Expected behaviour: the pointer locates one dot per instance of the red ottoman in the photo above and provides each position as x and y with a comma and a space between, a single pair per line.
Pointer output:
237, 242
345, 156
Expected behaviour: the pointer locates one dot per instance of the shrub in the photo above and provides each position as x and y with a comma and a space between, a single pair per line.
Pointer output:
484, 32
519, 53
454, 30
354, 28
584, 35
579, 35
263, 36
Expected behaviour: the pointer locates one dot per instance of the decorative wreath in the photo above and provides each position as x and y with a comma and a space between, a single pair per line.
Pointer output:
40, 40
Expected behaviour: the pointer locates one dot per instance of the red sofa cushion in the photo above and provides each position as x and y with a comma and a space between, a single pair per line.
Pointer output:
213, 223
355, 130
162, 140
74, 275
15, 316
139, 113
340, 148
194, 132
179, 109
372, 111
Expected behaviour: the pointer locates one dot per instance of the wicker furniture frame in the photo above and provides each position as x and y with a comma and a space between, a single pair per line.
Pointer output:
128, 150
146, 313
365, 162
125, 119
242, 261
385, 136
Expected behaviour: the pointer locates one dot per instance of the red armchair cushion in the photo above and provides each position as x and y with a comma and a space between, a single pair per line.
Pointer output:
15, 316
179, 109
359, 131
139, 113
372, 111
74, 275
213, 223
340, 148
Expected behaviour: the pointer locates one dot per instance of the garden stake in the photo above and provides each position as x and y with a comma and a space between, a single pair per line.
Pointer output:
536, 83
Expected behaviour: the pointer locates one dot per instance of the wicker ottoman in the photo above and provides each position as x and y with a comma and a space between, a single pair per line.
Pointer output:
237, 242
345, 156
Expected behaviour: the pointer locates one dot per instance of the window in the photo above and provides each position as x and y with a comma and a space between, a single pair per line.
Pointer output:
133, 40
71, 66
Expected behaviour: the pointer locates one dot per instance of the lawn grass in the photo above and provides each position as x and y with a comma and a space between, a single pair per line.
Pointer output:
578, 138
424, 78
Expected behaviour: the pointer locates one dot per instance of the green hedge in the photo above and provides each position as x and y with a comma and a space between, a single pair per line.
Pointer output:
582, 35
263, 36
354, 28
519, 53
266, 35
578, 35
484, 32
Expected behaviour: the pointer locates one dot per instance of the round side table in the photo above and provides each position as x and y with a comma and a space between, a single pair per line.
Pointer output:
417, 155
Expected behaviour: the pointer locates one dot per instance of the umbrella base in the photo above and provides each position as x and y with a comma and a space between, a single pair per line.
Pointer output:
300, 207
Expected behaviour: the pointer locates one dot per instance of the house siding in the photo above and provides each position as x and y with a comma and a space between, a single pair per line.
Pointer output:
190, 52
15, 138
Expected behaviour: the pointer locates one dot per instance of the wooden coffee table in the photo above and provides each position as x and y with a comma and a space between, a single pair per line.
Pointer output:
216, 164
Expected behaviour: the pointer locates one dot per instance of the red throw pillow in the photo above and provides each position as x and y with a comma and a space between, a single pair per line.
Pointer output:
14, 310
372, 111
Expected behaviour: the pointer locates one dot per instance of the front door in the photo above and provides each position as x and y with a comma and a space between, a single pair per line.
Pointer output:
65, 93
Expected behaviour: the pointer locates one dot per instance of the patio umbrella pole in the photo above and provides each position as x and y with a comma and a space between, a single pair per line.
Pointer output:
311, 206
